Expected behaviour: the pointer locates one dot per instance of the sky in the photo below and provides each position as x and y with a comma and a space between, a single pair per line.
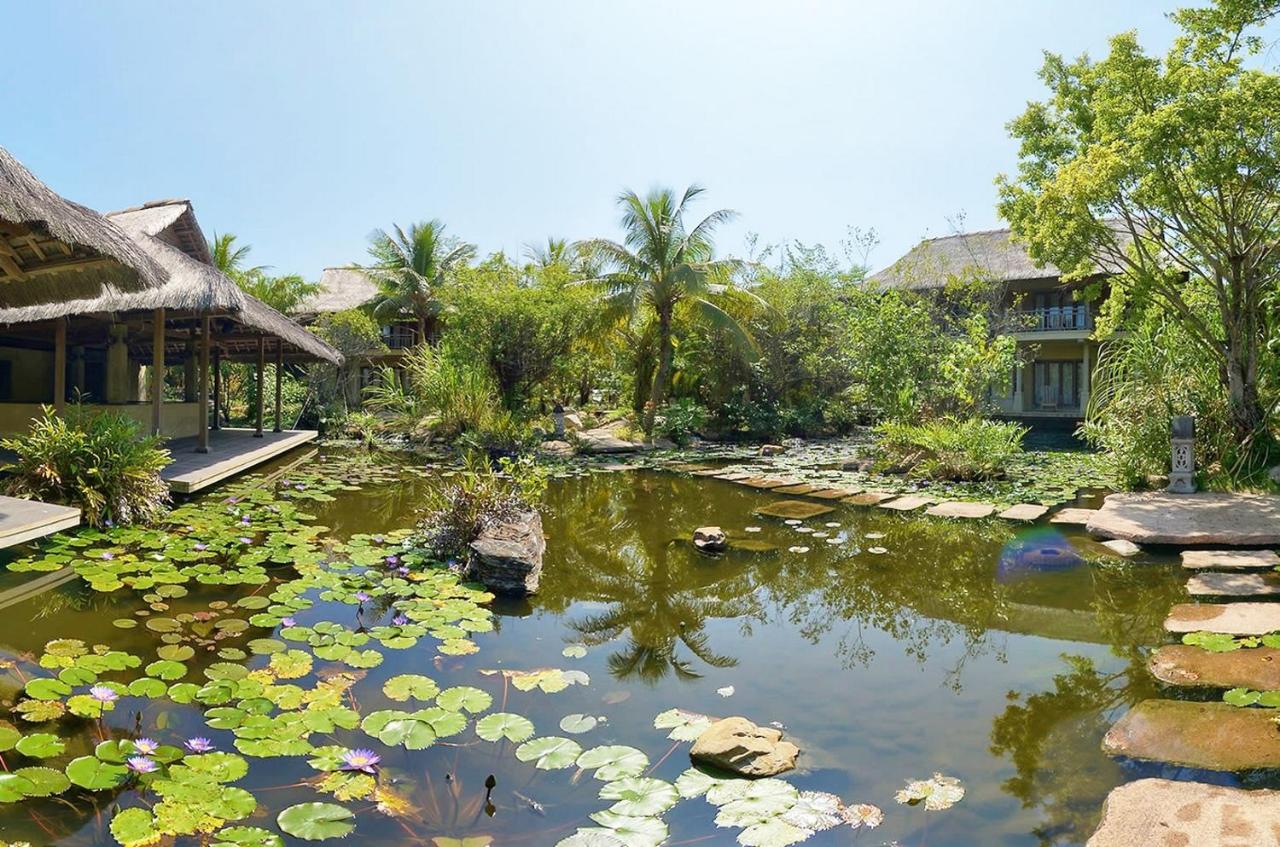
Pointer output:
303, 126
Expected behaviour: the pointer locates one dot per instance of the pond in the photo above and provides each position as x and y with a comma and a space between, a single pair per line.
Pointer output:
888, 647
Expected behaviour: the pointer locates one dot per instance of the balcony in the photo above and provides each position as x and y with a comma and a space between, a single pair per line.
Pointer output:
399, 337
1076, 317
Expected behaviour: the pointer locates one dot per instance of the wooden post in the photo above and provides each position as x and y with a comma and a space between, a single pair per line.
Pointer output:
60, 365
279, 370
157, 369
217, 388
262, 367
202, 436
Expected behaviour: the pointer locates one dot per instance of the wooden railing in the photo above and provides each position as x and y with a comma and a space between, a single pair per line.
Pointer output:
1054, 318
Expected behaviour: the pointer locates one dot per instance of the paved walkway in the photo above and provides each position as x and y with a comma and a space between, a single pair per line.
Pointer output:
1164, 813
231, 451
1233, 520
26, 520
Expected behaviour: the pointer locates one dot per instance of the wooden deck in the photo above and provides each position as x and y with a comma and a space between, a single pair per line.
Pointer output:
25, 520
231, 451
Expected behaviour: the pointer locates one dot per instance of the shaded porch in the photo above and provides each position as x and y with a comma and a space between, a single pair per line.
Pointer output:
231, 451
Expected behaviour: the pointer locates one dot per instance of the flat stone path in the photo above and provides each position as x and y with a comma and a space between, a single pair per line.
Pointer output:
1072, 515
1165, 813
1227, 618
832, 493
799, 488
1214, 736
1181, 664
1220, 584
1207, 517
906, 503
1122, 548
764, 482
961, 509
794, 510
1024, 512
868, 498
1229, 560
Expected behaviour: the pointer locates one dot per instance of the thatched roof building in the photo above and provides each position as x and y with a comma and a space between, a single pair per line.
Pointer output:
53, 249
340, 289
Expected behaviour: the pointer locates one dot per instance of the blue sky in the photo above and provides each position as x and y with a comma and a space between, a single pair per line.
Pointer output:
301, 126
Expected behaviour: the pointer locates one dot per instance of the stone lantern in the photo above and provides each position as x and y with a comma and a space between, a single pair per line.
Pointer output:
1182, 470
557, 417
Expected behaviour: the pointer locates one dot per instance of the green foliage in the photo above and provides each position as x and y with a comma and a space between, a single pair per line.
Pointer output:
412, 268
98, 462
478, 497
950, 448
679, 420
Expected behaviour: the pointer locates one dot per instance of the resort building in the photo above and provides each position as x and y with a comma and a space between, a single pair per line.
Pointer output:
1052, 326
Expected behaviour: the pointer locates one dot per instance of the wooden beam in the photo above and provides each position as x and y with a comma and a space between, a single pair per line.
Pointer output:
279, 371
60, 366
202, 434
217, 387
262, 367
157, 370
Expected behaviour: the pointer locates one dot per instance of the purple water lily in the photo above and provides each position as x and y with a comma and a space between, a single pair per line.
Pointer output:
146, 746
200, 545
141, 764
245, 519
286, 622
244, 539
198, 744
360, 760
362, 597
378, 539
108, 523
103, 694
403, 570
399, 620
393, 560
108, 555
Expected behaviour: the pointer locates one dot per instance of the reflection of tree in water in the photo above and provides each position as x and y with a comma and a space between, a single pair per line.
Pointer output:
1054, 737
616, 545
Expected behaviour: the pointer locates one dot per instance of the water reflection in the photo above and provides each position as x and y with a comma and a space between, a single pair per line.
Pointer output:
1040, 550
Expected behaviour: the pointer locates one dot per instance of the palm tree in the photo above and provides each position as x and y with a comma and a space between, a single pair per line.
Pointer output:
557, 251
229, 258
411, 267
663, 265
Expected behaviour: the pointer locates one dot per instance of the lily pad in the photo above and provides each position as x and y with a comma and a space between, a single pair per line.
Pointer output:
549, 753
506, 725
316, 821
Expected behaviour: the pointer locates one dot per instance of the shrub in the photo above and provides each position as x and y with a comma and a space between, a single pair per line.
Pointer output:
98, 462
680, 419
949, 448
478, 498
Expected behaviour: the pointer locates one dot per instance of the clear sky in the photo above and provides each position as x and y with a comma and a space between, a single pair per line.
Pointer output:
301, 126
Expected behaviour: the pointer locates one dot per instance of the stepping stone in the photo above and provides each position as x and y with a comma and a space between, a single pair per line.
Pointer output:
907, 503
1213, 736
794, 510
1167, 813
1181, 664
1219, 584
763, 482
1207, 517
801, 488
1122, 548
734, 476
1227, 618
710, 472
868, 498
961, 509
832, 493
1024, 512
1229, 560
1073, 516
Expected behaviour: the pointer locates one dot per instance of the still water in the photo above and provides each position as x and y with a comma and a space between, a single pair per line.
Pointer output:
890, 647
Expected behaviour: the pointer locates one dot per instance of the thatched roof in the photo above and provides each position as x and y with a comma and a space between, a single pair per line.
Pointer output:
172, 221
53, 249
340, 289
192, 286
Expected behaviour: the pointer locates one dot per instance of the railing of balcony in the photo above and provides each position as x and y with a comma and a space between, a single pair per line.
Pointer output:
398, 337
1054, 318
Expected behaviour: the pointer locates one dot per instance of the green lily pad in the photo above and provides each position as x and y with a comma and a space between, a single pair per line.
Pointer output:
96, 775
474, 700
410, 686
640, 796
246, 836
613, 762
41, 745
45, 782
549, 753
506, 725
316, 821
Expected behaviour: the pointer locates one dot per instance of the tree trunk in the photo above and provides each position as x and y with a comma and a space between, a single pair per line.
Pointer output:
422, 330
1247, 415
662, 378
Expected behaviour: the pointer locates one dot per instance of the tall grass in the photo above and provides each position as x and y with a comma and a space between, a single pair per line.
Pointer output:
967, 449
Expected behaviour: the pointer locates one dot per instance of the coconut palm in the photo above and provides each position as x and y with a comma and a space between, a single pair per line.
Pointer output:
411, 267
661, 266
229, 258
557, 251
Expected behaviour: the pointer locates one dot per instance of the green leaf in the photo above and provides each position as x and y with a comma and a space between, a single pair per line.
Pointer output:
640, 796
134, 828
167, 669
44, 688
504, 725
550, 753
461, 697
45, 782
14, 788
684, 726
95, 774
9, 736
246, 836
613, 762
577, 724
1240, 697
406, 686
633, 831
41, 745
316, 821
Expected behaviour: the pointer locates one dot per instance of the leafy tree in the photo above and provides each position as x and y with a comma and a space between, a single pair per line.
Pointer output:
229, 258
663, 264
282, 293
1167, 171
411, 268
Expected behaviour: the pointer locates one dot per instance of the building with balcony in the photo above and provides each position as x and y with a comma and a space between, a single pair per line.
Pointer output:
1053, 327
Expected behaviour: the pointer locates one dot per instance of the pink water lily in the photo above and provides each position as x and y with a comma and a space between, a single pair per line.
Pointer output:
198, 744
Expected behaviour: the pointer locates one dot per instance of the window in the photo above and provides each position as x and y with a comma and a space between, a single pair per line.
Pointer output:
1057, 385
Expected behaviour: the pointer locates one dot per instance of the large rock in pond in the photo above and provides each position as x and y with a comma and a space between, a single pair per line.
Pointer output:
739, 746
1165, 813
507, 557
710, 539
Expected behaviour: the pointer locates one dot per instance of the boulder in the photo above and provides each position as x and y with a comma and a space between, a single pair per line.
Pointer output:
573, 422
772, 450
1167, 813
710, 539
507, 557
862, 464
606, 440
557, 449
1121, 547
739, 746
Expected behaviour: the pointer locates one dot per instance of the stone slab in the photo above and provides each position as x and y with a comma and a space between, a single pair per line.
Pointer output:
763, 482
832, 493
1229, 560
1222, 584
1207, 517
1181, 664
1167, 813
26, 520
1213, 736
961, 509
1227, 618
1073, 515
801, 488
868, 498
906, 503
1122, 548
734, 476
801, 510
1024, 512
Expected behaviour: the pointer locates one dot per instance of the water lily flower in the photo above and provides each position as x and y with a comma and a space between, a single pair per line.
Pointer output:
244, 539
403, 570
393, 560
399, 620
146, 746
360, 760
103, 694
108, 523
377, 539
141, 764
864, 814
362, 597
198, 744
200, 545
108, 555
244, 519
288, 622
